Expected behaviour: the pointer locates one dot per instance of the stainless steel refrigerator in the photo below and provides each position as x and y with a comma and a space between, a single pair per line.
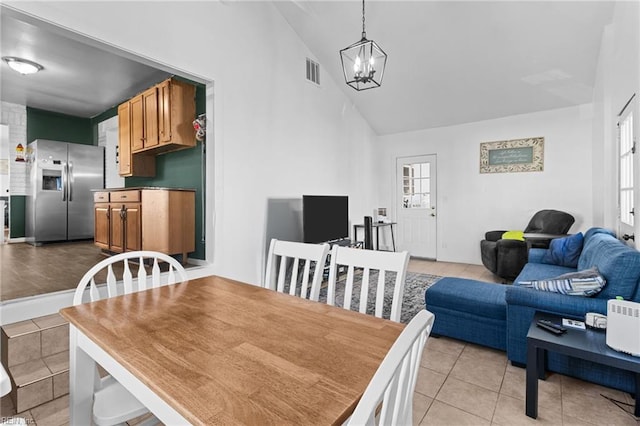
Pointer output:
59, 204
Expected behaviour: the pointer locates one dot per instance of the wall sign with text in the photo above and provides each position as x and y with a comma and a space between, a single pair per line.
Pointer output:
516, 155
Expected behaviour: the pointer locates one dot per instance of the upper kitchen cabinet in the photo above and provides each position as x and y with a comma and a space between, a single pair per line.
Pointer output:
130, 164
156, 121
176, 112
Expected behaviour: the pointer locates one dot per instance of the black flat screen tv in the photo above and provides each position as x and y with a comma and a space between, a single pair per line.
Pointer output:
325, 218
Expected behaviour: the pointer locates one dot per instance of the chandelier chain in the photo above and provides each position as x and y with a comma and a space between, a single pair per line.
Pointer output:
364, 34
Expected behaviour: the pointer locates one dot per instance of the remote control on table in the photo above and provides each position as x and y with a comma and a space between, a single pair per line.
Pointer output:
552, 324
551, 327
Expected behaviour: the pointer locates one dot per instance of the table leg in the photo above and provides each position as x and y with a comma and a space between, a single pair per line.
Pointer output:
377, 238
533, 356
82, 371
637, 409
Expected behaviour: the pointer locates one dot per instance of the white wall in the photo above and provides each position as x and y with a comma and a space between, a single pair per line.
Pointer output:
275, 135
470, 203
617, 78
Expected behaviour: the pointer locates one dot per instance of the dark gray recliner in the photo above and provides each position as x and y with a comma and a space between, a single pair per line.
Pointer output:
506, 258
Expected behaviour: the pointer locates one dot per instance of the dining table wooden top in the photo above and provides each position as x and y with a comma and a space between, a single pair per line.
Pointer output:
223, 352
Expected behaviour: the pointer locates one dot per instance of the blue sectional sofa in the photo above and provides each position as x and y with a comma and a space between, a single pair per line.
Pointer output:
499, 316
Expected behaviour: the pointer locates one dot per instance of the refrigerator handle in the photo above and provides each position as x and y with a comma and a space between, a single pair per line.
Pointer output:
64, 183
70, 180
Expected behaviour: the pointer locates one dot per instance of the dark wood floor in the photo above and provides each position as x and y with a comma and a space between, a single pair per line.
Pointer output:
28, 271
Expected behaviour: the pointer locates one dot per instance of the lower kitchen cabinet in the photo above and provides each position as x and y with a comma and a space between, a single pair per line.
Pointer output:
161, 220
101, 218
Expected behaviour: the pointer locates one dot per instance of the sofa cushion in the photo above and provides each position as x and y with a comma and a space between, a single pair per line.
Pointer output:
564, 251
541, 271
581, 283
618, 263
469, 296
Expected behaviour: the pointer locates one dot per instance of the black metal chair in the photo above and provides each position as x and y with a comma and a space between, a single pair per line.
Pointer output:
506, 258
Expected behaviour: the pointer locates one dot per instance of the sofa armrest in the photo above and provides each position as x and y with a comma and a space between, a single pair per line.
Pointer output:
575, 306
493, 235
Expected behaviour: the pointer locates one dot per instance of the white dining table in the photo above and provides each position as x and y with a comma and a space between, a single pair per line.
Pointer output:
217, 351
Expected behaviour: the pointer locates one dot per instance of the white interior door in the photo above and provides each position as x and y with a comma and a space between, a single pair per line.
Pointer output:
416, 205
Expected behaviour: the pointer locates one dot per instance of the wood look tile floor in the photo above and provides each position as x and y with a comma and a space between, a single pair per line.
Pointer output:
29, 271
462, 384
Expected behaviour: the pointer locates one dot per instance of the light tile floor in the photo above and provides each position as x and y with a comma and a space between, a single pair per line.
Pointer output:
465, 384
462, 384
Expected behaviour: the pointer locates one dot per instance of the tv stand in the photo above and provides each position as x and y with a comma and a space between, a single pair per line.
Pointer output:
377, 226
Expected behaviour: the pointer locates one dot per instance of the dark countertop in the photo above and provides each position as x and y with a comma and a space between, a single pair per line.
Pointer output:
137, 188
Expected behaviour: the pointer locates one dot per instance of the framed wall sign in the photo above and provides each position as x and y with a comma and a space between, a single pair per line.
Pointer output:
516, 155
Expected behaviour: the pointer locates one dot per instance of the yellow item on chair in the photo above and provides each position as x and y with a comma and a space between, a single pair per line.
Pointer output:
513, 235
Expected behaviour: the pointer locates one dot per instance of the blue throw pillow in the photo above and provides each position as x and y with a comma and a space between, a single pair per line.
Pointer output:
581, 283
564, 251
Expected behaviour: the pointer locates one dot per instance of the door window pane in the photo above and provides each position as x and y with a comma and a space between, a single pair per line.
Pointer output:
416, 186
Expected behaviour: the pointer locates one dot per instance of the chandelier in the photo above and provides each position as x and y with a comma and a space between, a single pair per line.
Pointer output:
363, 62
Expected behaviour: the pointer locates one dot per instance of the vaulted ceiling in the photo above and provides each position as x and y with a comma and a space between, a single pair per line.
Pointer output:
450, 62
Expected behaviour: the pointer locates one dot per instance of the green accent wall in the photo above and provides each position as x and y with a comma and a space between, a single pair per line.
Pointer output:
58, 127
16, 216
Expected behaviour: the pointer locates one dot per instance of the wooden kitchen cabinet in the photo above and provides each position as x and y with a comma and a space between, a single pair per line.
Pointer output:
124, 228
161, 118
101, 234
144, 120
160, 220
176, 112
130, 164
168, 221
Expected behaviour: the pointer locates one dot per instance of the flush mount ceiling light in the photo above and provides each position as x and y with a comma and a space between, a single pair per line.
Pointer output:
23, 66
363, 62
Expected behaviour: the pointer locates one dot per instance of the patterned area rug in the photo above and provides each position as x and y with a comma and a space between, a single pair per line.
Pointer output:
412, 302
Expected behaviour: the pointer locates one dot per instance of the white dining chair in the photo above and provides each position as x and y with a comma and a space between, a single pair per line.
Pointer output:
112, 403
368, 260
286, 251
394, 382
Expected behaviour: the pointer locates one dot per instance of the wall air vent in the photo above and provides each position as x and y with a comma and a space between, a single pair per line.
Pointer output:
313, 71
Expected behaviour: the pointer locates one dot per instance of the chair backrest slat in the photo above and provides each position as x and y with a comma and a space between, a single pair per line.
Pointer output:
176, 274
348, 287
368, 260
142, 275
364, 292
380, 293
304, 286
94, 294
127, 278
155, 273
282, 251
294, 277
394, 382
112, 289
